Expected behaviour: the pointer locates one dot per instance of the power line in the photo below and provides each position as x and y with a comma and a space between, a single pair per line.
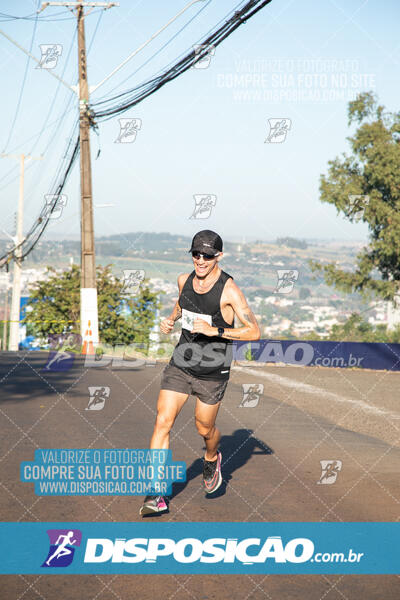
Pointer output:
47, 210
61, 117
40, 224
23, 85
159, 50
33, 236
95, 30
56, 130
166, 44
139, 93
57, 90
133, 97
173, 62
57, 121
34, 16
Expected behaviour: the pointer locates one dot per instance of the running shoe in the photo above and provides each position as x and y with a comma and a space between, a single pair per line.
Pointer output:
212, 476
153, 505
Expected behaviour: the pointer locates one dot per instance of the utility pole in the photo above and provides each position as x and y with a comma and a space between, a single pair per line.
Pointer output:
88, 310
5, 321
89, 313
16, 290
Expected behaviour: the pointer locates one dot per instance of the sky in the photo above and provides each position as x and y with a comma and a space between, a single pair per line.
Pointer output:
205, 133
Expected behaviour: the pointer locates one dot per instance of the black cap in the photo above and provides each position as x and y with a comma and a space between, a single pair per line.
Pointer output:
206, 241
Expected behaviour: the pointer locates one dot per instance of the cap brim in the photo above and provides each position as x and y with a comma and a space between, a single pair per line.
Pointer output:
205, 250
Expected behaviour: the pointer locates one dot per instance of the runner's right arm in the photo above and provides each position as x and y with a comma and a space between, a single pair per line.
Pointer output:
167, 325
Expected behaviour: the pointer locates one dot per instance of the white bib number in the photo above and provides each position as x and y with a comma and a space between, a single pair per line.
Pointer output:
188, 318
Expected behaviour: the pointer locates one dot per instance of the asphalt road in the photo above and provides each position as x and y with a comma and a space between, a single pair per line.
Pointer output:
271, 452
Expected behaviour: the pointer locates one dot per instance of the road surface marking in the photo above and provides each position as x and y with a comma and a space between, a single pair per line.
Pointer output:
312, 389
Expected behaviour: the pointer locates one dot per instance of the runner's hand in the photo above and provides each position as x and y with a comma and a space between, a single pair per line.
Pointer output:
166, 325
201, 326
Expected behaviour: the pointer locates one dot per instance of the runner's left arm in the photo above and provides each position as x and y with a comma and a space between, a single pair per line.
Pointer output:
250, 329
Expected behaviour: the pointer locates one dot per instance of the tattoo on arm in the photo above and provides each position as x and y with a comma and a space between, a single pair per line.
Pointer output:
176, 313
250, 316
228, 333
245, 314
242, 332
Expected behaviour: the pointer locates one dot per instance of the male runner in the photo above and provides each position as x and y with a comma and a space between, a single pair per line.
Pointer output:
208, 301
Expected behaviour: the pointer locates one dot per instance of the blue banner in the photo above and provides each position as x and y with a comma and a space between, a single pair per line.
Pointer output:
362, 355
102, 472
217, 548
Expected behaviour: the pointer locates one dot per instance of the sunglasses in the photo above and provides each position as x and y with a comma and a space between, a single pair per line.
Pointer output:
205, 256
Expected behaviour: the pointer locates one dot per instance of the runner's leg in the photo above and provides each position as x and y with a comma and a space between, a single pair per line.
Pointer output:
168, 408
205, 415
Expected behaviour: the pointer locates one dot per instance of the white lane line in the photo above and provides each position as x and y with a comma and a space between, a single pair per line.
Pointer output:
312, 389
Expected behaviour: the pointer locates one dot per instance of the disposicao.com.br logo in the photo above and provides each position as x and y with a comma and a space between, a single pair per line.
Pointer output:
247, 551
225, 548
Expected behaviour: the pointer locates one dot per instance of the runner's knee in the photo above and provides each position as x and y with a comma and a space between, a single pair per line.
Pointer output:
205, 429
164, 422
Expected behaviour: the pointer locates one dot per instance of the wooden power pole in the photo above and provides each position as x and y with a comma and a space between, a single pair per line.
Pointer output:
88, 312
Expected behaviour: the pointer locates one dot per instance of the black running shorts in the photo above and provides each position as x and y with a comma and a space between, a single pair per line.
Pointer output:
208, 391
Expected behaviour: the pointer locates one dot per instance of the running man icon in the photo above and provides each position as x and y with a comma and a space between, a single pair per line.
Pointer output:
98, 396
61, 356
61, 551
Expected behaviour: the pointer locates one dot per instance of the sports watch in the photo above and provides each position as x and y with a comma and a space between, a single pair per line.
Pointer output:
221, 331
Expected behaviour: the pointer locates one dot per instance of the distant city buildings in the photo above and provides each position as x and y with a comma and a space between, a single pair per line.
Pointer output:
309, 307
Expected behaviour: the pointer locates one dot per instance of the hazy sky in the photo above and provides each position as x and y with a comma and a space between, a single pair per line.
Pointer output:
205, 132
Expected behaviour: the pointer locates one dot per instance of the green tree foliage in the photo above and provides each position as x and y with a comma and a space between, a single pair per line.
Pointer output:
366, 186
55, 307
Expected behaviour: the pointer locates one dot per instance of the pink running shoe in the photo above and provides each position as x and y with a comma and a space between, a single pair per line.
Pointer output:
152, 505
212, 476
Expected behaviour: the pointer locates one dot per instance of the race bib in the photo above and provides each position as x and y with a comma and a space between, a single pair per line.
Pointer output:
188, 318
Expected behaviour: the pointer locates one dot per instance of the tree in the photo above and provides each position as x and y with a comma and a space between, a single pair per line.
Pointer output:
366, 186
55, 307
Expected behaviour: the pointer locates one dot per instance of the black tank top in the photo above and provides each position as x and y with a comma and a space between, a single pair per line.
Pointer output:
205, 357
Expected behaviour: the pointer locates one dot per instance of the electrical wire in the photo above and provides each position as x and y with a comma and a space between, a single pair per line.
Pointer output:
38, 136
95, 31
61, 117
58, 122
23, 84
159, 50
137, 94
35, 233
47, 210
57, 90
35, 16
33, 236
131, 98
182, 54
44, 18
